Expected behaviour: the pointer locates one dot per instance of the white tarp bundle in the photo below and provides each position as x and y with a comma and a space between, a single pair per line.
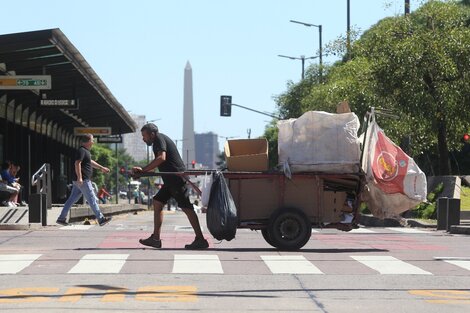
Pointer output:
320, 141
394, 182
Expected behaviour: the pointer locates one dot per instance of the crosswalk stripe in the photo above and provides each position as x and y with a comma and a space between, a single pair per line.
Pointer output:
465, 264
407, 230
14, 263
389, 265
99, 264
186, 228
76, 227
289, 264
361, 231
197, 264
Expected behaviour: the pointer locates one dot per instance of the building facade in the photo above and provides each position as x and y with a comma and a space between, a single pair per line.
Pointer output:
207, 149
133, 143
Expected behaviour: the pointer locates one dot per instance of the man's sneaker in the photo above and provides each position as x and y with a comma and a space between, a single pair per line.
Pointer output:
151, 242
62, 222
105, 220
198, 244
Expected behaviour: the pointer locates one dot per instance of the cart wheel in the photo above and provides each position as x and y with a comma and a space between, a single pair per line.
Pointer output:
266, 237
289, 229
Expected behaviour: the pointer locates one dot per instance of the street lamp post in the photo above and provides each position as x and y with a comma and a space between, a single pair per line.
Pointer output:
320, 42
302, 58
348, 28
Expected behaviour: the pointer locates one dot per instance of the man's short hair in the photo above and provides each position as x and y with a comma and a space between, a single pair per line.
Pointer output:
85, 138
150, 128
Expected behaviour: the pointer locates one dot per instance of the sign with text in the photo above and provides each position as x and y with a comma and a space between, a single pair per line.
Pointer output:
95, 131
110, 139
25, 82
71, 104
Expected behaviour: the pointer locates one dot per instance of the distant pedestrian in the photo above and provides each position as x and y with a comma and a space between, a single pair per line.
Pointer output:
83, 166
103, 194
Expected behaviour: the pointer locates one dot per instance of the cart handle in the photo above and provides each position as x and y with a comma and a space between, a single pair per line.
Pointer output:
183, 175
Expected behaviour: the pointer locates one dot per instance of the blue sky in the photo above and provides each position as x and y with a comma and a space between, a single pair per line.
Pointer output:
140, 48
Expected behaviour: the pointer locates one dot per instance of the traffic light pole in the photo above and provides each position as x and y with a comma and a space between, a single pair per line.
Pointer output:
256, 111
226, 107
117, 174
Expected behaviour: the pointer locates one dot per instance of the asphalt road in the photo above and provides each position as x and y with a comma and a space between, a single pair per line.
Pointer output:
101, 269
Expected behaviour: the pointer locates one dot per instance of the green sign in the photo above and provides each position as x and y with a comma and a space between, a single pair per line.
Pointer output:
25, 82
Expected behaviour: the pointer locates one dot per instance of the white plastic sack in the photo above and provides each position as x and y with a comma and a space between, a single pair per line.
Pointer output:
206, 189
320, 141
395, 183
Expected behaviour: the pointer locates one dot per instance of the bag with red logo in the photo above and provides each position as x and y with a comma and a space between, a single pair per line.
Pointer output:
394, 182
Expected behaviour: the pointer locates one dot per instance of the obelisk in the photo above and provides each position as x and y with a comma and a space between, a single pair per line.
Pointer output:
189, 151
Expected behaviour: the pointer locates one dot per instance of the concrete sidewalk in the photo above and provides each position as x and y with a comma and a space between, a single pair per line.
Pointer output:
77, 214
371, 221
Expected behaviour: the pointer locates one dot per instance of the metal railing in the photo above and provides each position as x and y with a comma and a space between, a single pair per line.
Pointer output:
42, 180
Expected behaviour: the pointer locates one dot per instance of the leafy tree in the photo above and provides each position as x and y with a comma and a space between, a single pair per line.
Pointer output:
105, 156
270, 134
417, 65
221, 163
420, 64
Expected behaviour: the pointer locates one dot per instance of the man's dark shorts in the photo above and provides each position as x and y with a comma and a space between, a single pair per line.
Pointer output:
179, 192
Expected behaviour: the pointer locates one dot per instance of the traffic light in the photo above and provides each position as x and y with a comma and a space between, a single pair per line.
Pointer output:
466, 137
193, 163
123, 171
225, 105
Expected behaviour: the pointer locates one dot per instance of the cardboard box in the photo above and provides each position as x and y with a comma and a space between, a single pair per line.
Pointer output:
246, 155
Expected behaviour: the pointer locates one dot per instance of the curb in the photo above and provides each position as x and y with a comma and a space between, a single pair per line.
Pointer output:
458, 229
372, 221
106, 212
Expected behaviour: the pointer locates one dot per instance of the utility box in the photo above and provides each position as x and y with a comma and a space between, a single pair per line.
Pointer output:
38, 208
246, 155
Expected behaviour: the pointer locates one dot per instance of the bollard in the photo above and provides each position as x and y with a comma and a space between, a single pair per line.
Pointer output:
442, 208
38, 208
453, 212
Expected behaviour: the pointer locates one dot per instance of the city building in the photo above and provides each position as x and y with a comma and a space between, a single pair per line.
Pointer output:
207, 149
133, 143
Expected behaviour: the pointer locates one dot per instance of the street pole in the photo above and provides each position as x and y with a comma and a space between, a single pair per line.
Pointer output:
302, 58
320, 34
117, 174
321, 52
348, 28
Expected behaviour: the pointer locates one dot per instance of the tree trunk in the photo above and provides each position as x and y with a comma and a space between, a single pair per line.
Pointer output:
443, 149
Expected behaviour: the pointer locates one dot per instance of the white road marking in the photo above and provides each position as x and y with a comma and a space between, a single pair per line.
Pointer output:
77, 227
99, 264
197, 264
389, 265
289, 264
361, 231
14, 263
186, 228
465, 264
408, 230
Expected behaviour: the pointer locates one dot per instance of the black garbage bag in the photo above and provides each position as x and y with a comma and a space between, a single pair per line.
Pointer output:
221, 214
